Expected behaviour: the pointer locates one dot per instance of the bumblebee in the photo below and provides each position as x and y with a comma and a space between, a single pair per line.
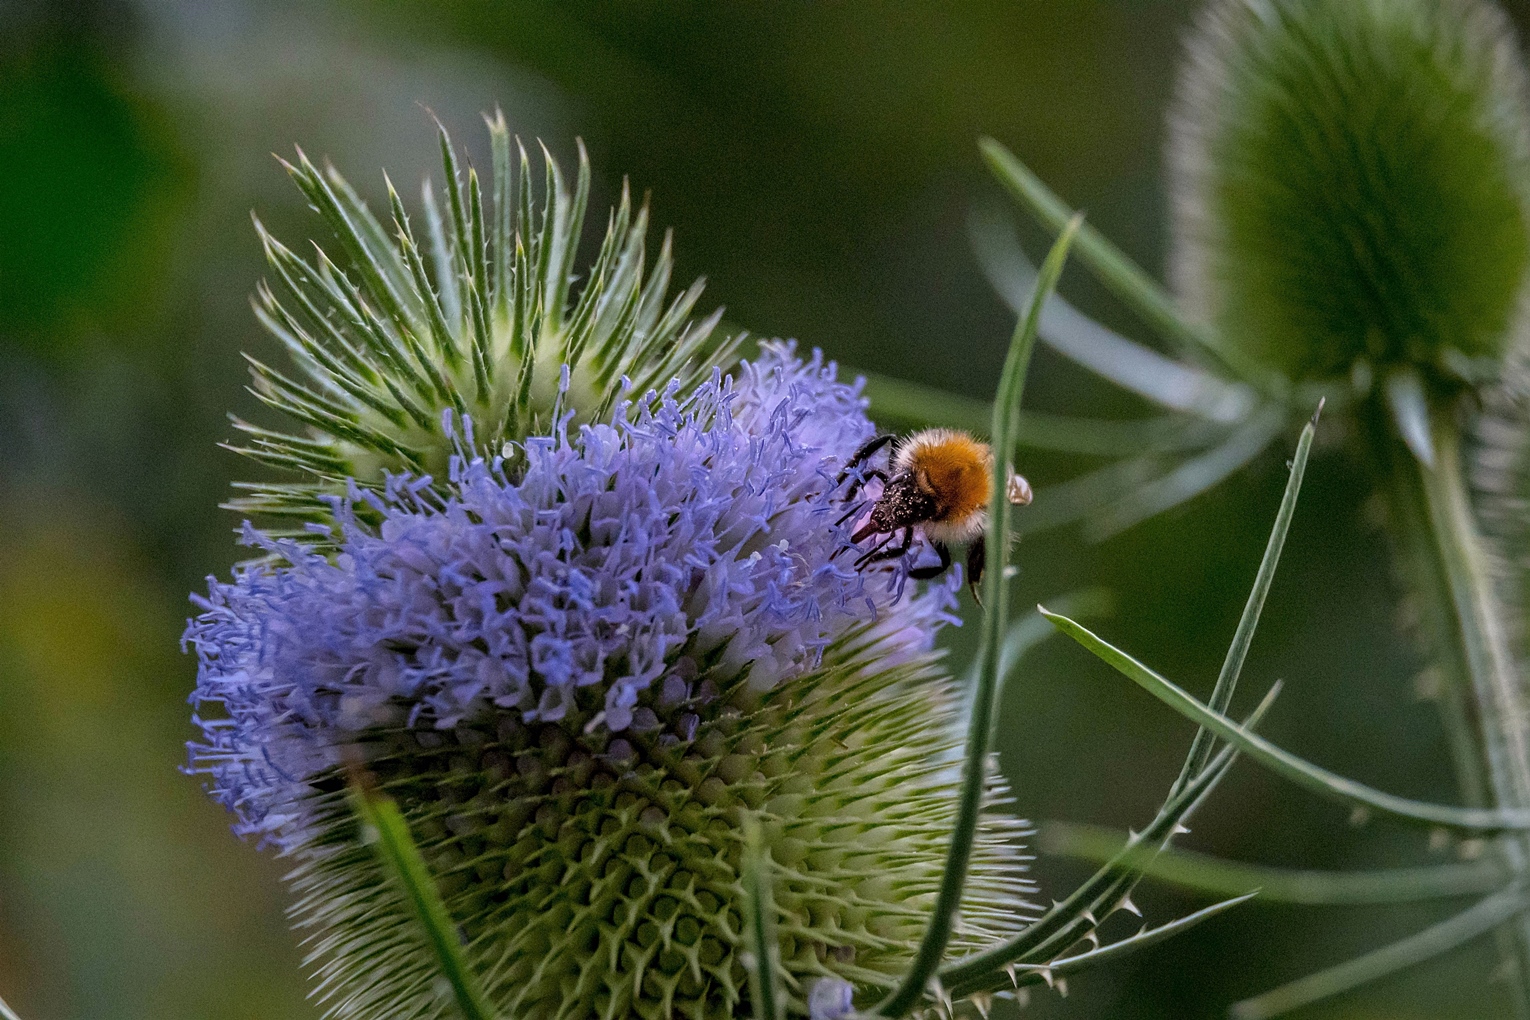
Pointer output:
938, 481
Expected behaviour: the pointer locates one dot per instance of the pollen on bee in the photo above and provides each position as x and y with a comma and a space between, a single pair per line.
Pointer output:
953, 467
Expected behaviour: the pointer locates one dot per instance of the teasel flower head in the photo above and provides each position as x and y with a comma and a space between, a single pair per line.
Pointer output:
1351, 186
613, 630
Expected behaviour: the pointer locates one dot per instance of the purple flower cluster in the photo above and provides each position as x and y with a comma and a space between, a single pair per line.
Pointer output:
615, 579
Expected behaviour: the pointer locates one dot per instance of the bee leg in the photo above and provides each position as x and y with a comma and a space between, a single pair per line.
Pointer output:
860, 456
876, 552
855, 487
865, 477
925, 573
867, 448
882, 553
977, 560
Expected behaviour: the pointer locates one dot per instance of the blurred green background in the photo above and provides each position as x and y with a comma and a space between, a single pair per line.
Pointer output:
817, 161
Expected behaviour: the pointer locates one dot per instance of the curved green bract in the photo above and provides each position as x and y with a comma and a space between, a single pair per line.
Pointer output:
1351, 182
384, 826
990, 663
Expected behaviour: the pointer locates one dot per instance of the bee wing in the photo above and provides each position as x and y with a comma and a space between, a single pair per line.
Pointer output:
1018, 490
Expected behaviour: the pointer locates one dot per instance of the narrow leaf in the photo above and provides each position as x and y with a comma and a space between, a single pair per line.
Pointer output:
1196, 475
916, 403
1284, 763
442, 258
1408, 952
1006, 413
1108, 354
1065, 922
399, 855
1243, 636
1035, 974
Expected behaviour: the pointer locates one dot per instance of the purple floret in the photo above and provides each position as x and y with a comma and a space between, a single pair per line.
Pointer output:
591, 581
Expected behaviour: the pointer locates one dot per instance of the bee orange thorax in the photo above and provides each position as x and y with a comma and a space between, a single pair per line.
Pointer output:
951, 466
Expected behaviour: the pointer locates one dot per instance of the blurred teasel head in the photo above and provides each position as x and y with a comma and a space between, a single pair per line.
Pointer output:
1350, 221
570, 593
1351, 186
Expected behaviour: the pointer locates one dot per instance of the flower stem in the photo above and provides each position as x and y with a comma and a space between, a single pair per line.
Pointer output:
765, 990
1483, 704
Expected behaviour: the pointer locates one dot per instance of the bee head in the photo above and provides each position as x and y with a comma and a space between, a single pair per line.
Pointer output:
903, 503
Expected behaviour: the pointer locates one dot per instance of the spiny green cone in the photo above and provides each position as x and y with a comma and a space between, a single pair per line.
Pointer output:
1351, 184
600, 877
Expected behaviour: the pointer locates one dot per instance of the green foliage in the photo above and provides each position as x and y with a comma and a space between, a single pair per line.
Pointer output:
1188, 869
1351, 183
477, 316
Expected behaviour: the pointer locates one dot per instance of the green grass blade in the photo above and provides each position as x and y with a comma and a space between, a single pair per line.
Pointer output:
1005, 422
1124, 277
1416, 949
1284, 763
764, 947
1205, 873
1243, 636
399, 855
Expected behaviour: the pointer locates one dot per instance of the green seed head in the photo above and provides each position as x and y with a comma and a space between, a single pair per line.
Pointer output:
1351, 183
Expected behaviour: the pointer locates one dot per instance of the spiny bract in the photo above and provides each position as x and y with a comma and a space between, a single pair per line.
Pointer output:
574, 598
387, 338
1351, 184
